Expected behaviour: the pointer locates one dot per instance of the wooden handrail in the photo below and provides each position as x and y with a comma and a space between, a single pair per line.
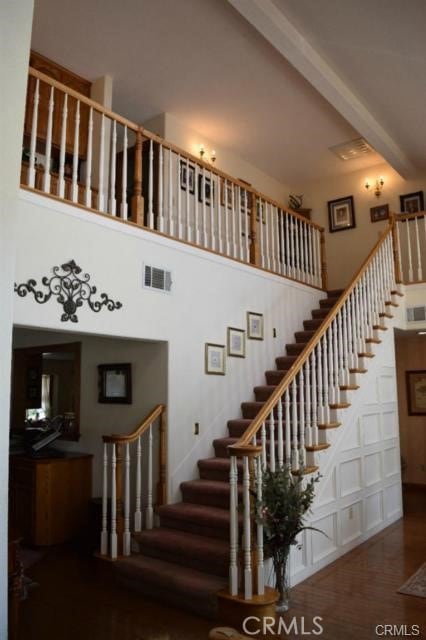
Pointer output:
131, 437
35, 73
410, 216
269, 405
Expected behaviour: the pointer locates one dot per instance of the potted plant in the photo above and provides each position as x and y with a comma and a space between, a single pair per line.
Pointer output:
286, 498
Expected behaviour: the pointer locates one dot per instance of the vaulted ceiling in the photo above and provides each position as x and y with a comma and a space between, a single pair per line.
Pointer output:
276, 81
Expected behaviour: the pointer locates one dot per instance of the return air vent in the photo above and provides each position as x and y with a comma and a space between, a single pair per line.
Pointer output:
416, 314
353, 149
158, 279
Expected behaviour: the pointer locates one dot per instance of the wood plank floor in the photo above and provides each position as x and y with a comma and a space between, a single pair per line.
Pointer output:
353, 595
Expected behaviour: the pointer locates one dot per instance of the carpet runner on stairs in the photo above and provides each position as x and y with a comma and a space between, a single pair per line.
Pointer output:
185, 560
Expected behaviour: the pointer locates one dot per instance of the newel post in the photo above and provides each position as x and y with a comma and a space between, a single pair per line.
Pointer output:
254, 241
119, 496
324, 275
137, 204
162, 462
396, 256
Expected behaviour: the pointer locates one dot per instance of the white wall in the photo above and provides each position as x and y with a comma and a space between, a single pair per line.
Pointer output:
209, 293
176, 132
15, 33
347, 249
149, 387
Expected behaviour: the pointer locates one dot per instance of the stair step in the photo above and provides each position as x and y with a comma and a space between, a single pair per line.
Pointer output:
275, 376
180, 586
385, 314
295, 349
366, 354
238, 426
312, 325
389, 303
213, 493
373, 341
349, 387
195, 518
329, 425
340, 405
262, 393
210, 555
317, 447
358, 370
221, 445
251, 409
217, 469
335, 293
327, 303
379, 327
395, 292
304, 336
320, 313
284, 363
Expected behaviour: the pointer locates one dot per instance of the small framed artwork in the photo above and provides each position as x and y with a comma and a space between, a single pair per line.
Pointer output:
187, 176
236, 342
115, 383
254, 326
215, 359
416, 392
341, 214
381, 212
412, 202
205, 189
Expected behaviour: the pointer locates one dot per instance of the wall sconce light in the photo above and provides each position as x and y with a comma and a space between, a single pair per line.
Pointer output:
203, 153
378, 186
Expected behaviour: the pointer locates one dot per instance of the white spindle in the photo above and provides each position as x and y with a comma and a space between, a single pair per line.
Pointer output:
280, 433
160, 223
308, 390
305, 253
33, 143
219, 243
227, 204
261, 231
248, 583
259, 533
46, 178
170, 213
410, 258
353, 355
314, 399
214, 191
151, 186
61, 180
233, 532
101, 187
138, 492
340, 349
149, 513
287, 260
287, 428
336, 359
179, 197
267, 233
104, 533
302, 418
239, 224
398, 241
233, 222
272, 441
247, 228
318, 254
126, 533
270, 235
188, 231
112, 176
88, 186
74, 188
321, 418
419, 256
203, 208
295, 248
311, 255
281, 244
330, 344
294, 427
113, 536
263, 443
326, 385
123, 209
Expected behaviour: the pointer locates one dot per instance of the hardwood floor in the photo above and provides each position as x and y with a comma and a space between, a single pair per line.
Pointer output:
353, 595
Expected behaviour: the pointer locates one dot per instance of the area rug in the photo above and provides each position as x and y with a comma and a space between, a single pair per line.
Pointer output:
416, 585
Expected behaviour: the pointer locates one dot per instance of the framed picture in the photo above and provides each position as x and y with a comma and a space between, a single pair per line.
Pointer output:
341, 214
416, 392
215, 359
205, 189
226, 193
236, 342
115, 383
254, 326
412, 202
381, 212
187, 176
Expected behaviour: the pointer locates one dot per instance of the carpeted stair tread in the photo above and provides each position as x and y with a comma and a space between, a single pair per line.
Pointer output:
335, 293
196, 518
320, 313
312, 325
251, 409
274, 376
327, 303
285, 362
217, 468
263, 392
238, 426
221, 445
295, 349
197, 552
215, 493
304, 336
181, 586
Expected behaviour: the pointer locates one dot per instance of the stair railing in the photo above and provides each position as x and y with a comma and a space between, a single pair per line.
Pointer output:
411, 242
77, 150
118, 452
291, 425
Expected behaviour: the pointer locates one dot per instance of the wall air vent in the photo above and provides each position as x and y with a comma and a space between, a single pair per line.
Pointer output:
416, 314
156, 278
353, 149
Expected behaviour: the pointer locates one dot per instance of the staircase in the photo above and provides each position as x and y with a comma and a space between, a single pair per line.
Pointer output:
185, 561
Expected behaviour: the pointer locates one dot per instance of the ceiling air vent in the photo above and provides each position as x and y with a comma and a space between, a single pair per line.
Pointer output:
416, 314
158, 279
353, 149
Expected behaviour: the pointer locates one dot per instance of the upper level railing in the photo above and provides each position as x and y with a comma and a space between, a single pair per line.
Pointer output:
410, 240
77, 150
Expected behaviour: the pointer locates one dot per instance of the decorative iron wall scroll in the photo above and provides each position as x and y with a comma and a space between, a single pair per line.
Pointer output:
71, 288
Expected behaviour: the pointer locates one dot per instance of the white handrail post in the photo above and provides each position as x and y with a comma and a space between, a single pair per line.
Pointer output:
233, 532
126, 533
34, 122
248, 581
46, 179
259, 533
88, 186
104, 533
113, 537
149, 513
138, 514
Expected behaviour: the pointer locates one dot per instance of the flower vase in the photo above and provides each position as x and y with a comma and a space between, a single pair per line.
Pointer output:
282, 581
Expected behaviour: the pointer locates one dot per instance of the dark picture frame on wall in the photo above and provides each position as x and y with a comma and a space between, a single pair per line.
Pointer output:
187, 176
341, 214
416, 392
381, 212
115, 383
412, 202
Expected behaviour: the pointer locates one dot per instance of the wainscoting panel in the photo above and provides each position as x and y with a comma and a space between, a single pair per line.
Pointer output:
373, 510
372, 468
350, 476
351, 522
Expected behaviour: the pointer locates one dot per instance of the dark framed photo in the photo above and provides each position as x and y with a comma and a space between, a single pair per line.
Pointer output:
254, 326
115, 383
187, 176
236, 342
341, 214
214, 359
205, 189
381, 212
412, 202
416, 392
226, 193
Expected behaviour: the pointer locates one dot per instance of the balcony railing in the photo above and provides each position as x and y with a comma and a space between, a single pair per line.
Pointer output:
410, 240
80, 152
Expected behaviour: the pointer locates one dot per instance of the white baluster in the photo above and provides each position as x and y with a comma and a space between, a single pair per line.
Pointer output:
410, 258
233, 532
272, 441
311, 279
263, 444
248, 586
214, 195
189, 234
280, 433
330, 345
61, 181
346, 345
138, 514
126, 533
336, 359
123, 208
259, 533
419, 256
34, 122
74, 188
197, 196
318, 254
239, 225
149, 513
203, 210
171, 220
88, 186
294, 427
46, 178
270, 227
314, 399
321, 418
308, 425
288, 255
305, 253
302, 418
160, 223
151, 186
113, 537
219, 244
297, 248
112, 176
261, 233
340, 348
233, 224
247, 228
101, 188
179, 197
104, 533
226, 200
398, 239
281, 244
326, 404
353, 352
287, 428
